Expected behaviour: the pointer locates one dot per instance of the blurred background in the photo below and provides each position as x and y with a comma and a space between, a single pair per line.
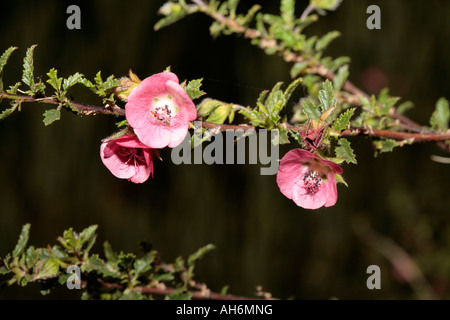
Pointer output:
395, 210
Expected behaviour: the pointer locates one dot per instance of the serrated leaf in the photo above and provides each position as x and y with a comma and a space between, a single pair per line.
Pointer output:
45, 269
144, 264
28, 68
5, 56
87, 234
53, 80
311, 110
110, 255
31, 256
324, 41
344, 150
199, 254
405, 106
297, 68
168, 20
72, 80
3, 60
51, 116
7, 112
341, 77
287, 8
326, 98
22, 242
386, 145
441, 115
193, 89
343, 120
290, 90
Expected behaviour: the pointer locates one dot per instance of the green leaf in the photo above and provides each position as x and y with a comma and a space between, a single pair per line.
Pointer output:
290, 90
297, 68
28, 68
22, 242
173, 14
5, 56
323, 42
287, 8
340, 78
132, 295
326, 4
87, 234
344, 150
7, 112
441, 115
3, 59
405, 106
72, 80
45, 269
31, 256
51, 116
199, 254
144, 264
53, 80
193, 89
326, 96
343, 120
386, 145
110, 255
311, 110
179, 295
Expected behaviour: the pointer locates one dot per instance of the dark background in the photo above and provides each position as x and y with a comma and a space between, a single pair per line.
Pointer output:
53, 177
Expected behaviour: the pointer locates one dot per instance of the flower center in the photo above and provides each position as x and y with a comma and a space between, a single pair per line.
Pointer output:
163, 110
132, 156
312, 182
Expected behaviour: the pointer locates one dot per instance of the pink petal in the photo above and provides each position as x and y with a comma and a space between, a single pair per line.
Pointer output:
182, 100
114, 163
331, 190
152, 86
156, 136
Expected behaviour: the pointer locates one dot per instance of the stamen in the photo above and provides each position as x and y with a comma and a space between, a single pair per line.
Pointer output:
312, 182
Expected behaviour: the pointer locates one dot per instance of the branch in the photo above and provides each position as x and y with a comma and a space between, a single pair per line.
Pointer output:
78, 107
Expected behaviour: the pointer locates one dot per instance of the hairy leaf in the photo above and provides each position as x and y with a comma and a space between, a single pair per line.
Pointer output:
51, 116
344, 150
343, 120
23, 239
28, 68
441, 115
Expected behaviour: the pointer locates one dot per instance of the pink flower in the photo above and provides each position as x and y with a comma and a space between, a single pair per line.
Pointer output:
159, 110
307, 179
128, 158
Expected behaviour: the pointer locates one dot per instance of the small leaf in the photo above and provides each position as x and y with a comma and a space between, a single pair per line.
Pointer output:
297, 68
5, 56
287, 8
53, 80
326, 4
344, 150
386, 145
343, 121
193, 89
441, 115
51, 116
110, 255
7, 112
340, 78
311, 110
45, 269
323, 42
72, 80
199, 254
326, 96
144, 264
22, 242
28, 68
